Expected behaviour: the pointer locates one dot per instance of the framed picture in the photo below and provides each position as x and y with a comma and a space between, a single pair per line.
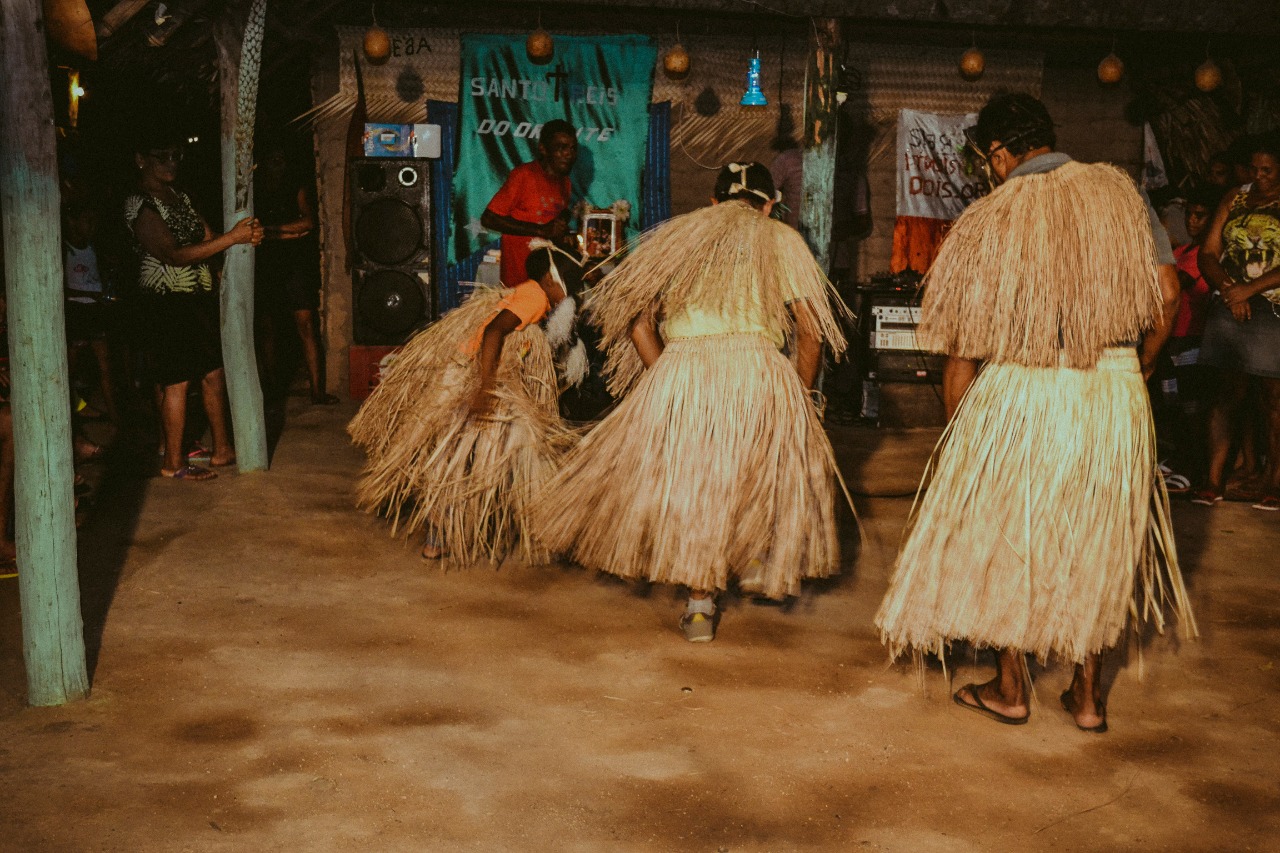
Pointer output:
601, 233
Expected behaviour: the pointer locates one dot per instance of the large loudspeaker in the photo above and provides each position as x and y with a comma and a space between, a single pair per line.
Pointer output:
391, 224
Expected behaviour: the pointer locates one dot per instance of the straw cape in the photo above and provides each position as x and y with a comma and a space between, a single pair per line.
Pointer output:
1045, 524
715, 465
433, 466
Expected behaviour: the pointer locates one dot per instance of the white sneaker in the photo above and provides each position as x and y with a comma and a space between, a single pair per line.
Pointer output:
698, 627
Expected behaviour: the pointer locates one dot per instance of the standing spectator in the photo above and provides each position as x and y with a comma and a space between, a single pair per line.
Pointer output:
1182, 377
287, 279
1221, 173
1241, 258
180, 303
534, 201
787, 170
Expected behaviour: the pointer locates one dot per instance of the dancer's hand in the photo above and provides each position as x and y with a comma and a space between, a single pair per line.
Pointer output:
1240, 311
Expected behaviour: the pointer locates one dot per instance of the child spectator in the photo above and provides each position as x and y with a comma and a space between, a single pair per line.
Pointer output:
87, 297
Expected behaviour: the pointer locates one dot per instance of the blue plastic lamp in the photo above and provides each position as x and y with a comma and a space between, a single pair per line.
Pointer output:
753, 97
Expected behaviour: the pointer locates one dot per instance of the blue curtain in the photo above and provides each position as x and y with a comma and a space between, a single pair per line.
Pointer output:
655, 191
655, 183
447, 276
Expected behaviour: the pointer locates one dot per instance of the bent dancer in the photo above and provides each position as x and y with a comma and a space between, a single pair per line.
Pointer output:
465, 428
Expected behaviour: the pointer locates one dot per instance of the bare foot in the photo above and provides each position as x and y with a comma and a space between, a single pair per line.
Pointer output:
1089, 716
222, 460
431, 551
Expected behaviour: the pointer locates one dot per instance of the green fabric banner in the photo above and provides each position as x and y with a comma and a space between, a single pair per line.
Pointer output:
602, 85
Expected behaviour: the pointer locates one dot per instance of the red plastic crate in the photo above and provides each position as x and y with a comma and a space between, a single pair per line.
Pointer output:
367, 363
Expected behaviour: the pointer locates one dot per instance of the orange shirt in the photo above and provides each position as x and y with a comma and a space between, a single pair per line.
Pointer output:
526, 300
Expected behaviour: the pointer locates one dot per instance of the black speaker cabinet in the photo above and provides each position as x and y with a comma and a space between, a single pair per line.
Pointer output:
391, 224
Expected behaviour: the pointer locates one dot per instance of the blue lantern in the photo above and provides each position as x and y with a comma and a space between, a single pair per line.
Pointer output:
753, 97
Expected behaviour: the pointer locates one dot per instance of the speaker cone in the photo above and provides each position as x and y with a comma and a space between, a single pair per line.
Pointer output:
391, 303
388, 231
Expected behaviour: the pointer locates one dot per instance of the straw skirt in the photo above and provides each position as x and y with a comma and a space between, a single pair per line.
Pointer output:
1045, 524
467, 482
714, 467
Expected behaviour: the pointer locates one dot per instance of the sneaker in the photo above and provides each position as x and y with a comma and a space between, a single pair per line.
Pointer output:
1206, 497
1270, 502
698, 627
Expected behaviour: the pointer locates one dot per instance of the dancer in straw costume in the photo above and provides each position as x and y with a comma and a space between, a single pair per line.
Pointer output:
464, 428
715, 465
1045, 524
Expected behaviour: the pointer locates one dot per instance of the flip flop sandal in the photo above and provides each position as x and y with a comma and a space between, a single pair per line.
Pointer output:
1269, 503
1206, 497
1176, 484
976, 705
191, 472
227, 464
1100, 728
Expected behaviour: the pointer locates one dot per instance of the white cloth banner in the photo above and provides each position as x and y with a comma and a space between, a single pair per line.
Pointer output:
931, 171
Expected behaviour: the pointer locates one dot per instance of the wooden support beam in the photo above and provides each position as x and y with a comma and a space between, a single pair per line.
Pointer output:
819, 158
45, 527
238, 63
117, 16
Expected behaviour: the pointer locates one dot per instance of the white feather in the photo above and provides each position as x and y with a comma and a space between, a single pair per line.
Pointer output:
575, 366
559, 326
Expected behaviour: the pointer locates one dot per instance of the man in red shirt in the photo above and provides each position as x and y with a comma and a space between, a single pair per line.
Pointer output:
534, 200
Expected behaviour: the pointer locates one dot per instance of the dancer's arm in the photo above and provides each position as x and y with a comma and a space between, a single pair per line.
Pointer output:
490, 354
645, 337
957, 376
808, 343
1171, 298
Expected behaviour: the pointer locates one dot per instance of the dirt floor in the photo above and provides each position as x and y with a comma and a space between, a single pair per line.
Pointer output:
271, 671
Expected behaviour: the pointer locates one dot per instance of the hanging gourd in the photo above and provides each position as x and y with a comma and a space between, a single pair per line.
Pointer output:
1208, 76
540, 46
1110, 69
972, 64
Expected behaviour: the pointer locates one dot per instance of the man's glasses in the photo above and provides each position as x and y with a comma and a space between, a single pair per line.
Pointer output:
165, 156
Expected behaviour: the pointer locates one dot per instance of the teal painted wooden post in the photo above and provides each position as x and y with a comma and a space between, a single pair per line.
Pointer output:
52, 629
819, 156
239, 58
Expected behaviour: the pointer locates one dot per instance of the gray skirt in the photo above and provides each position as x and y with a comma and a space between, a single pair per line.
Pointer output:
1251, 347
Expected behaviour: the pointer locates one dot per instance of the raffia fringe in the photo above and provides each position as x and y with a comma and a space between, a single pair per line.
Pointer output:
1059, 265
712, 258
715, 467
432, 466
1045, 525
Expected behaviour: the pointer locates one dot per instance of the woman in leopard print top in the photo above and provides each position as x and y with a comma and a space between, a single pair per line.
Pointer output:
179, 301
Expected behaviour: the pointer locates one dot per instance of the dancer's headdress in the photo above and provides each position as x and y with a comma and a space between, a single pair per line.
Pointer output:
738, 179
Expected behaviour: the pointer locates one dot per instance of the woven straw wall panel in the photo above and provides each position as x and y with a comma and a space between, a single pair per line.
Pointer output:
896, 77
